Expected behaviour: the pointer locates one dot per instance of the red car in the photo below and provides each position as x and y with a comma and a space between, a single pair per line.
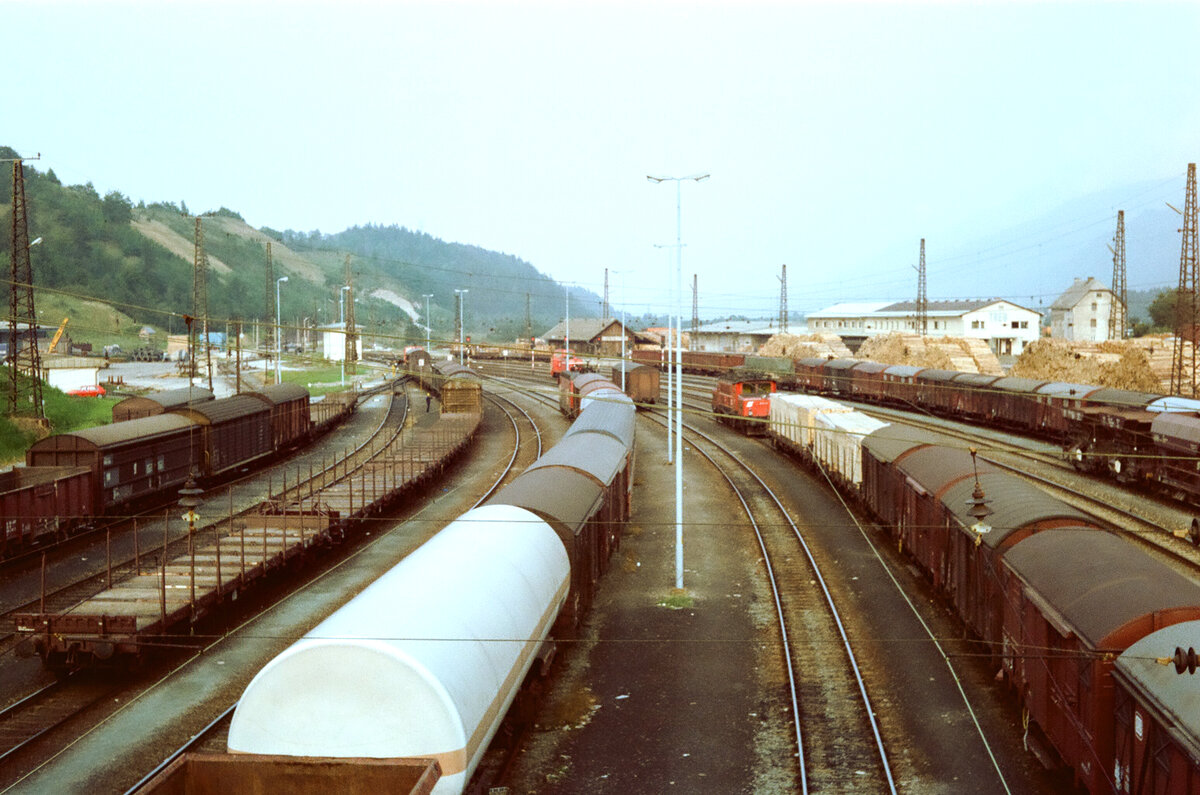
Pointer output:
94, 390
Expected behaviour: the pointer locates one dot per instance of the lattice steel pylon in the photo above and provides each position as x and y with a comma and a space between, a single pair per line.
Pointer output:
1183, 365
349, 332
922, 297
25, 394
783, 307
200, 301
1117, 321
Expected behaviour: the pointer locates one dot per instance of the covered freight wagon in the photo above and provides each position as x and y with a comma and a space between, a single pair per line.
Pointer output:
155, 403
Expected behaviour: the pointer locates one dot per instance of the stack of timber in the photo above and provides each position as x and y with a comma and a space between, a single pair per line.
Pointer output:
1123, 364
806, 346
943, 353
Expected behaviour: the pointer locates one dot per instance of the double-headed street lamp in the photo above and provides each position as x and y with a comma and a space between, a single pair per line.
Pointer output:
461, 330
678, 367
278, 331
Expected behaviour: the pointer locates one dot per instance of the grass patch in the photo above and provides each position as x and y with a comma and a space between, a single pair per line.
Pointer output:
678, 599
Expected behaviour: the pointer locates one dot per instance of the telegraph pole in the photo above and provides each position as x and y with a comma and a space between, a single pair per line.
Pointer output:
922, 296
1117, 321
25, 398
1183, 367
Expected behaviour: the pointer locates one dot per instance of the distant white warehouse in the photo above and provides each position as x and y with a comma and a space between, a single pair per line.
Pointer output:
1006, 326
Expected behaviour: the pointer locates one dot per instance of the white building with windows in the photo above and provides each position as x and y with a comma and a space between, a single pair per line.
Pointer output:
1006, 326
1081, 313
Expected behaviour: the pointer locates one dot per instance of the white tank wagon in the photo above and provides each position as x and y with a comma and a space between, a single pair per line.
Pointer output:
426, 661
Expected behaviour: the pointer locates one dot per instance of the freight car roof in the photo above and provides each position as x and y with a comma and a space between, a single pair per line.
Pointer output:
888, 444
614, 417
226, 409
1096, 582
557, 493
934, 467
841, 364
1122, 398
932, 374
595, 454
975, 380
103, 436
1061, 389
1172, 694
1174, 403
1022, 385
170, 398
1016, 504
902, 371
281, 393
1177, 431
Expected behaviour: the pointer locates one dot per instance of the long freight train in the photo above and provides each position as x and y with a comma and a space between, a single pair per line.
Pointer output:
72, 479
1094, 636
441, 645
1137, 438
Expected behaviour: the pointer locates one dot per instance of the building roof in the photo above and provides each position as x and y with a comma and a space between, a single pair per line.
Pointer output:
589, 329
1076, 292
953, 308
748, 327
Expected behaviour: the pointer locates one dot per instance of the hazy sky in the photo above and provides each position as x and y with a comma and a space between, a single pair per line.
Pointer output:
837, 134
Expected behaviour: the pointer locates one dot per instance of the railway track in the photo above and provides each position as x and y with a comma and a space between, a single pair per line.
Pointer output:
49, 707
212, 736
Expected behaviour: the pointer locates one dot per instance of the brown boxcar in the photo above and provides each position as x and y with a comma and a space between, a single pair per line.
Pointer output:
1157, 731
155, 403
1013, 403
43, 504
460, 389
130, 461
934, 390
866, 381
971, 394
810, 374
291, 419
296, 775
900, 384
641, 381
1054, 400
233, 431
883, 484
1074, 600
837, 376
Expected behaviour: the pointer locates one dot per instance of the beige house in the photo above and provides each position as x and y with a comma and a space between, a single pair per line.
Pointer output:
1081, 313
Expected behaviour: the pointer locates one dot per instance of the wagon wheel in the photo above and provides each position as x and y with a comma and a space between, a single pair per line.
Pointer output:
1194, 533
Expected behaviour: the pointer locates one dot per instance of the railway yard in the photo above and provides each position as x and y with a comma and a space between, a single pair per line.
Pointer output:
876, 597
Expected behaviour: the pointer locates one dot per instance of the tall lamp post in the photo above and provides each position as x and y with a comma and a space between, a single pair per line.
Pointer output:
678, 365
428, 323
461, 330
278, 331
342, 321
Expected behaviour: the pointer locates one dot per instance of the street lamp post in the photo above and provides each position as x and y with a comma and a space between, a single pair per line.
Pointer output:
461, 330
278, 331
342, 321
428, 323
678, 366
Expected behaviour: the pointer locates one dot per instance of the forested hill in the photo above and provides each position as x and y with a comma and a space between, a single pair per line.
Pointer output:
138, 260
497, 283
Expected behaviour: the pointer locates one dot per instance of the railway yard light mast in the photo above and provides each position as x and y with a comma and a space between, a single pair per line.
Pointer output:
342, 321
462, 300
278, 331
678, 365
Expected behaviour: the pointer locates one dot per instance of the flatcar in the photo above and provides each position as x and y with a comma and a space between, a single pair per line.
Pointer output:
442, 644
742, 398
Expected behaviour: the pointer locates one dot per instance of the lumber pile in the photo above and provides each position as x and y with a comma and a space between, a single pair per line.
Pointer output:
944, 353
1117, 364
806, 346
